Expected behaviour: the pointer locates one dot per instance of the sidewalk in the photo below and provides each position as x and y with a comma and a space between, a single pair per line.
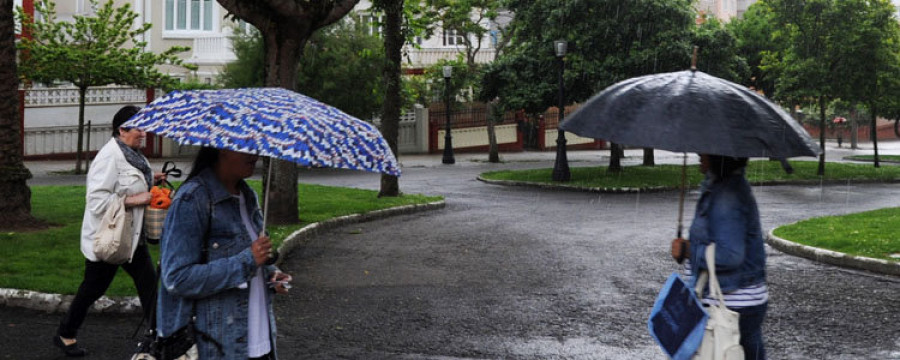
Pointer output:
46, 172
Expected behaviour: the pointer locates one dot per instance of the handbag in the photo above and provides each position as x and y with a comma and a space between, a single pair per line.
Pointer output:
113, 239
722, 336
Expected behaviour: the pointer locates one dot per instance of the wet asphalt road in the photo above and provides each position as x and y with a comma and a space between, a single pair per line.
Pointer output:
514, 273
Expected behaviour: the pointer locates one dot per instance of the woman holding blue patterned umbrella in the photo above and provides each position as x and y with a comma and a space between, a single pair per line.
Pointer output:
213, 262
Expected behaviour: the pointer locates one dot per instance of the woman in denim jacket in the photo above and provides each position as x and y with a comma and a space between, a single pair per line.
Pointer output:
228, 288
727, 215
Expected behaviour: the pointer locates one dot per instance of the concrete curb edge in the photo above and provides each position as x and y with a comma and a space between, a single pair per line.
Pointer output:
628, 190
607, 190
58, 303
833, 257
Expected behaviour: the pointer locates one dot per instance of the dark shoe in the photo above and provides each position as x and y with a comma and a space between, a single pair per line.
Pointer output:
70, 350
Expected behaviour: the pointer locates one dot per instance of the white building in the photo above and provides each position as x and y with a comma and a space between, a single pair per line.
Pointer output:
724, 10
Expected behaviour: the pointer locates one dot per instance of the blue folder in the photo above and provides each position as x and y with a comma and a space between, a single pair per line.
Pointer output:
678, 320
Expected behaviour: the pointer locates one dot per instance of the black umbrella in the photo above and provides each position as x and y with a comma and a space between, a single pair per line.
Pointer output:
691, 111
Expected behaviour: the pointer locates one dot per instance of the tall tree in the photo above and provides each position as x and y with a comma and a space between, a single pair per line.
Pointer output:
394, 39
470, 20
285, 25
809, 68
340, 66
609, 41
96, 50
15, 196
870, 44
754, 36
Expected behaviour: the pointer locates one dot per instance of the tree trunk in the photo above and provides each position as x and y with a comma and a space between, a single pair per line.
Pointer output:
649, 157
284, 41
15, 204
615, 158
875, 133
822, 103
82, 95
390, 117
854, 128
493, 149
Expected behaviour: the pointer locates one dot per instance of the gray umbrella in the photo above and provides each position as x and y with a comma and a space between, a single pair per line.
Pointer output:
691, 111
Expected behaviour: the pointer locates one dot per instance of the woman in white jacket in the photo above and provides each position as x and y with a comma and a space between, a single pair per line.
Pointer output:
118, 169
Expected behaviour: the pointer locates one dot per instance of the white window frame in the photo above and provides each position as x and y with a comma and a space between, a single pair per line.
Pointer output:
453, 39
174, 32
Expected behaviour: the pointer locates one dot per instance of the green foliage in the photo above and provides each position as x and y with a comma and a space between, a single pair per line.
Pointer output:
249, 69
341, 65
23, 264
95, 50
870, 234
754, 35
609, 41
462, 80
468, 17
191, 84
718, 51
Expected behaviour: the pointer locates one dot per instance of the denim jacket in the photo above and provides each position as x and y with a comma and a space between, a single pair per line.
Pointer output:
728, 216
218, 286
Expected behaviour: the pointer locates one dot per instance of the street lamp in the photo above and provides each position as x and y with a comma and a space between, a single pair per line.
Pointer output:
561, 166
448, 139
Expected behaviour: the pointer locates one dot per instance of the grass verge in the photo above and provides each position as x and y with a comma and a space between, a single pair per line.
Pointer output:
669, 176
870, 234
51, 260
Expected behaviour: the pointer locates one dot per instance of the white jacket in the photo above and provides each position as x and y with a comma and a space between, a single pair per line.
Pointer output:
110, 174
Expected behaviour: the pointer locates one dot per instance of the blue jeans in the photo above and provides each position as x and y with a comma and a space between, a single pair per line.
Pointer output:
750, 325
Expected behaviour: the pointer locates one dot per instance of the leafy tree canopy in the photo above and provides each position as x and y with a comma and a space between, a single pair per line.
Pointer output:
608, 41
341, 66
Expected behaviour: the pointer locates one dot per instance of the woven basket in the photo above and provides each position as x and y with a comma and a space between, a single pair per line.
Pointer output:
153, 222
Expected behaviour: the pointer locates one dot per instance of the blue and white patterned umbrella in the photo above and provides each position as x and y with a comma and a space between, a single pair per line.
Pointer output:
272, 122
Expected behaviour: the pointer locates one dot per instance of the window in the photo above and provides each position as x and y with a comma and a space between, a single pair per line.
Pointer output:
452, 38
372, 24
189, 15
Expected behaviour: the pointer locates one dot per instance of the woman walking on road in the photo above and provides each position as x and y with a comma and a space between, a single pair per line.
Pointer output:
213, 262
119, 168
727, 215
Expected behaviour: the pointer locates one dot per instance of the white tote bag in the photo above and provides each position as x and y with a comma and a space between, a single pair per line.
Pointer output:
722, 339
113, 239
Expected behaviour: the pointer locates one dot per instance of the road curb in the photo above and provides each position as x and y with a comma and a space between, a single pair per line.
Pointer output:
629, 190
301, 236
58, 303
833, 257
605, 190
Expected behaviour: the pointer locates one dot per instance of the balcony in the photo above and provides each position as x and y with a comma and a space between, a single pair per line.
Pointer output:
425, 57
212, 50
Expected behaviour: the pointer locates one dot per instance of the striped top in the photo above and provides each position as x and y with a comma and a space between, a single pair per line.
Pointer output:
753, 295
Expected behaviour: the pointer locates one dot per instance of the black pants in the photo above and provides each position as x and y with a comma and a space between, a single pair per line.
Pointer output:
98, 276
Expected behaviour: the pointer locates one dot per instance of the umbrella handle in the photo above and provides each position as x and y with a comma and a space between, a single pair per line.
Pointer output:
266, 200
681, 195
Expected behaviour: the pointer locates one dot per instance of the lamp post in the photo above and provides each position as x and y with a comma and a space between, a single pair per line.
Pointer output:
448, 139
561, 166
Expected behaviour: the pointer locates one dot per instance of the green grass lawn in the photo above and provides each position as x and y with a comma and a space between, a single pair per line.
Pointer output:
885, 158
758, 172
51, 260
871, 234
